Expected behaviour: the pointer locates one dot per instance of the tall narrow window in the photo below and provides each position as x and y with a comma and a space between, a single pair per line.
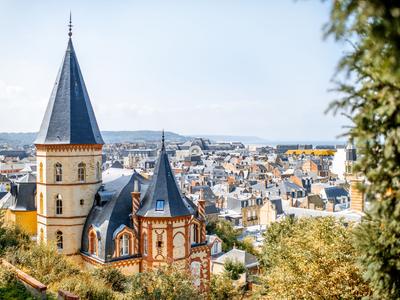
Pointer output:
145, 244
58, 172
59, 238
59, 207
41, 172
81, 172
124, 245
98, 171
195, 233
41, 204
92, 243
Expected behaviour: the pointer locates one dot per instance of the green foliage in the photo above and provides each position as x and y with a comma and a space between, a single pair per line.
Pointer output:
44, 263
87, 287
311, 258
11, 236
371, 97
112, 277
234, 269
229, 236
226, 232
163, 283
223, 288
10, 287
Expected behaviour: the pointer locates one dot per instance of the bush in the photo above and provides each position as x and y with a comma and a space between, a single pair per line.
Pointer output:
10, 287
87, 287
44, 263
163, 283
11, 237
112, 277
222, 287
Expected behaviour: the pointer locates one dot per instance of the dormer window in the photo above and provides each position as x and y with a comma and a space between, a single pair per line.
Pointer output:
160, 205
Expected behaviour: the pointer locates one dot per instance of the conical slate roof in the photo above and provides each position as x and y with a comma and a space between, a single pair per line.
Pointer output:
69, 117
163, 187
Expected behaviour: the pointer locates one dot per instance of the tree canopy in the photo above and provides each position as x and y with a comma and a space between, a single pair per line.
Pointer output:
311, 258
371, 98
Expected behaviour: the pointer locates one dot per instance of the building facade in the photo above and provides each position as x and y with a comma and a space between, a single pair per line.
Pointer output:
120, 219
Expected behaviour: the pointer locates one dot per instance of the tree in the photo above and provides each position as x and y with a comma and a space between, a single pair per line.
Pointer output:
225, 231
234, 269
163, 283
222, 288
230, 236
311, 258
371, 98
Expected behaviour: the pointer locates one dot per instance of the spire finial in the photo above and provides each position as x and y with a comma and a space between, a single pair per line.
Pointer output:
70, 25
163, 141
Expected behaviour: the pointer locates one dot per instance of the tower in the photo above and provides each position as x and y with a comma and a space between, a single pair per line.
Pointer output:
351, 157
357, 197
69, 157
170, 228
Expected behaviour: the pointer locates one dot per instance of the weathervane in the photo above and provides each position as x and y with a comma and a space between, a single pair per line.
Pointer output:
70, 25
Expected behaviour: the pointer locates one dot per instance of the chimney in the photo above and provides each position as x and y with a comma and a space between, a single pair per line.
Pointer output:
135, 198
201, 206
135, 207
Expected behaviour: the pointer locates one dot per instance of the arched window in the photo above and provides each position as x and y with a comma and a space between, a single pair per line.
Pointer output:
145, 244
124, 245
195, 233
81, 172
41, 172
59, 238
59, 207
41, 204
92, 242
98, 171
58, 172
215, 249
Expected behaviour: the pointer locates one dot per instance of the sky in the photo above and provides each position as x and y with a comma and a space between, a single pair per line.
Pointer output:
252, 68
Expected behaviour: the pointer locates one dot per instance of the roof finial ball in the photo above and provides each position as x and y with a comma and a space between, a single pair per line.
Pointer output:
70, 25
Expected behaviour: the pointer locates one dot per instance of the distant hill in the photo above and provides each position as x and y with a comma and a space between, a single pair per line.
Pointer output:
17, 138
27, 138
140, 135
234, 138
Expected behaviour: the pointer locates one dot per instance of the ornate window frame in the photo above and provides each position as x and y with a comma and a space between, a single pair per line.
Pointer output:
93, 238
118, 234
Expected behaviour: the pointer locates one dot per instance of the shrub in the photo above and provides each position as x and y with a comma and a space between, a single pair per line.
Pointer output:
44, 263
11, 237
222, 287
10, 287
163, 283
112, 277
87, 287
